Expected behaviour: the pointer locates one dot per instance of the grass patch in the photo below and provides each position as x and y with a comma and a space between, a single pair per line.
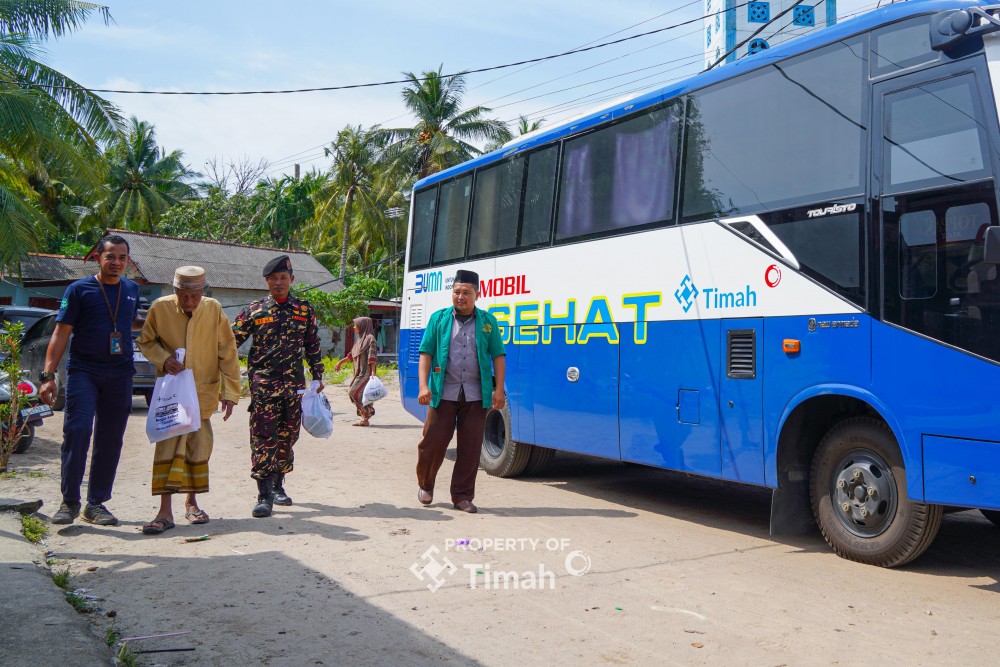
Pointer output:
33, 529
37, 473
127, 657
8, 474
61, 579
78, 603
111, 636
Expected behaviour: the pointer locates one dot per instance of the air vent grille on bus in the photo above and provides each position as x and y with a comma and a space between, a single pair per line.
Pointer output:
741, 361
416, 317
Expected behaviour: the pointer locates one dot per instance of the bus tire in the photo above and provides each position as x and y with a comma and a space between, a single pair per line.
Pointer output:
539, 460
501, 456
859, 498
26, 439
992, 515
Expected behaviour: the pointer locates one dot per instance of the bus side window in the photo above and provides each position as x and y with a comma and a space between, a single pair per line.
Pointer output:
452, 220
423, 227
495, 207
539, 191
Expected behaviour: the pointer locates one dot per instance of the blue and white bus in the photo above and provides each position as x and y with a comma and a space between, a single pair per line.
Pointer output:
783, 272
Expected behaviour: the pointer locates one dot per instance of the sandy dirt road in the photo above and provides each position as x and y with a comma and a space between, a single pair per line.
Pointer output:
613, 564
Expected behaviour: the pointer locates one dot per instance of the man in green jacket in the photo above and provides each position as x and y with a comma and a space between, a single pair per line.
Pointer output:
462, 368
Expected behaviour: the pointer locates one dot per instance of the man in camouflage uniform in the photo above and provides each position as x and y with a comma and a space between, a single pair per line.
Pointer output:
282, 327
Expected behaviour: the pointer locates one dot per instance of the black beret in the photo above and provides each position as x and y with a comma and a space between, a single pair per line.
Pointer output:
278, 264
470, 277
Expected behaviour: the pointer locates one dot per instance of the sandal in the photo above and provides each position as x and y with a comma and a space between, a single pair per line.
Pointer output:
361, 423
157, 526
196, 516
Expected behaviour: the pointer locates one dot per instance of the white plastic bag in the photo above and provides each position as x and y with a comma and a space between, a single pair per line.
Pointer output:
317, 416
374, 390
174, 408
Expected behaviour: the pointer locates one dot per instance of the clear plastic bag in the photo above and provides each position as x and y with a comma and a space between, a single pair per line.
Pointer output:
374, 390
174, 408
317, 416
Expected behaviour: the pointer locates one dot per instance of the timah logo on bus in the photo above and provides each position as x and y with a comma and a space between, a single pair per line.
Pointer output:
713, 298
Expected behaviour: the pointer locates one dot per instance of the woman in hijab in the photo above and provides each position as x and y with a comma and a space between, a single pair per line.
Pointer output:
364, 356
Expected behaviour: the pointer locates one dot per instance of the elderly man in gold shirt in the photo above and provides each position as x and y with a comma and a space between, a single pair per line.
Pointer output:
192, 321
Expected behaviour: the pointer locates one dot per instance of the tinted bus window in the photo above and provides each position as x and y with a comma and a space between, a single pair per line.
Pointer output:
902, 45
452, 220
918, 255
539, 192
619, 177
423, 226
830, 249
790, 133
495, 208
934, 135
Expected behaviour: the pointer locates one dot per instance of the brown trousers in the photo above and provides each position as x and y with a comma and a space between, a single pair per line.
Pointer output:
470, 418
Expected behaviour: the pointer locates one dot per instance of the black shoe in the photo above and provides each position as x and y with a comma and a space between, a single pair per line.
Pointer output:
265, 497
99, 514
66, 513
280, 497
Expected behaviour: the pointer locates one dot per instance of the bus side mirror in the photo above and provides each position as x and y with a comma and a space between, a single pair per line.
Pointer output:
991, 245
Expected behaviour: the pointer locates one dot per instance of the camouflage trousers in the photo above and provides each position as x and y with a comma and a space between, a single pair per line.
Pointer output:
274, 428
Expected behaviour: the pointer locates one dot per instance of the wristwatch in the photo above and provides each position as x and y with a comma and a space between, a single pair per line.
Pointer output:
45, 376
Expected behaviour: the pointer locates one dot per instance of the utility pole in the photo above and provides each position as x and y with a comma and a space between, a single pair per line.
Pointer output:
394, 213
296, 171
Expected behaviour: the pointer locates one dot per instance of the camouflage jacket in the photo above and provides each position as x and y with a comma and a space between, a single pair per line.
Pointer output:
281, 332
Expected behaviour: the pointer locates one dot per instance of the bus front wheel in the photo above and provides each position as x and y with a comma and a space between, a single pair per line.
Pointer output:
501, 456
859, 498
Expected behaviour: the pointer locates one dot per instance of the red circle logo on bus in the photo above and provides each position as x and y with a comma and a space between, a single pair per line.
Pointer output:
772, 275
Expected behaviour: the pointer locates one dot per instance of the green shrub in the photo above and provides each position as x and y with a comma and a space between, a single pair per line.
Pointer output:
33, 529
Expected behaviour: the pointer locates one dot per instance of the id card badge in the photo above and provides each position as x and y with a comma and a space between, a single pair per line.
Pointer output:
115, 341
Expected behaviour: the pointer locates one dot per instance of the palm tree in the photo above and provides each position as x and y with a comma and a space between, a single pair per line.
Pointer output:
443, 131
286, 206
524, 126
144, 180
51, 128
354, 186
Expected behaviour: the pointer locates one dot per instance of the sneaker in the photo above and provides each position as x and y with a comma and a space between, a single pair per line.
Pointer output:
100, 515
67, 513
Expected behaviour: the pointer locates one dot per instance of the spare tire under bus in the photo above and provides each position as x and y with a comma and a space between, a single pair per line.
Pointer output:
501, 456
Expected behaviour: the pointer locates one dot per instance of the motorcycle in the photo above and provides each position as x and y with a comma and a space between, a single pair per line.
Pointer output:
31, 414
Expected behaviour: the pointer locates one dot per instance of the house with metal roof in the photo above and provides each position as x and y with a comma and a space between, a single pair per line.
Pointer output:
233, 271
43, 280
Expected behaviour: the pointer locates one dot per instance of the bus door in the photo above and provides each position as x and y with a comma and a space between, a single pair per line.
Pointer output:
575, 392
741, 395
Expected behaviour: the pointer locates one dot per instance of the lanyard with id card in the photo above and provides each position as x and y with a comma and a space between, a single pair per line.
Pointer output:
115, 338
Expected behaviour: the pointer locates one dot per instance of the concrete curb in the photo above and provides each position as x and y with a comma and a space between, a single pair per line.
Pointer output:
40, 627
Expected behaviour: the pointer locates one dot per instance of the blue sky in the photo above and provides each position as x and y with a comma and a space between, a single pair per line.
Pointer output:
252, 45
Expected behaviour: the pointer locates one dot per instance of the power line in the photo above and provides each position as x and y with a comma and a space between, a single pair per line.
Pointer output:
354, 85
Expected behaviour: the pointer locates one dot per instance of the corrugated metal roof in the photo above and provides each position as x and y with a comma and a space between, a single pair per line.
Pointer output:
39, 268
227, 265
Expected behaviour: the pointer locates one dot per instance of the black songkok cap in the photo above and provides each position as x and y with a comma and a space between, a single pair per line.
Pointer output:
470, 277
278, 264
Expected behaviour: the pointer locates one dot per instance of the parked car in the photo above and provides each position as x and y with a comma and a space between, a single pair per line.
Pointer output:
35, 343
26, 315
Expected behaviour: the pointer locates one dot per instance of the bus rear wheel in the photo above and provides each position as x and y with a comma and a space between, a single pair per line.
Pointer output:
501, 456
859, 498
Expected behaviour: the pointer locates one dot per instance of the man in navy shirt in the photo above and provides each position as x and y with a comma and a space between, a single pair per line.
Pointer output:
100, 312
